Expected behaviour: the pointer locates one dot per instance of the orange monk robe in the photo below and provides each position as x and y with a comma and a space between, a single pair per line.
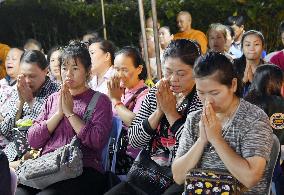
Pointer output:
196, 35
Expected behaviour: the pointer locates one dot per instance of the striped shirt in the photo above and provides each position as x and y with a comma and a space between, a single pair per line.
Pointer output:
249, 134
166, 137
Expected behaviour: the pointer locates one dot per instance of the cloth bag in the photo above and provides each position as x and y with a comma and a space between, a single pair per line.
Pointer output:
205, 181
19, 146
61, 164
149, 176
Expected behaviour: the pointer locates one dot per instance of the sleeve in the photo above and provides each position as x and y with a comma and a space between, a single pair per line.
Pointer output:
9, 121
258, 139
140, 132
96, 131
202, 40
275, 59
188, 137
38, 134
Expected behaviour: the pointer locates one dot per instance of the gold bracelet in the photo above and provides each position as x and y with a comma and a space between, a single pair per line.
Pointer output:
70, 115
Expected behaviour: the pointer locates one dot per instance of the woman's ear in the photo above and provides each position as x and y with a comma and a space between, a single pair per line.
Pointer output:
46, 70
139, 69
234, 84
107, 56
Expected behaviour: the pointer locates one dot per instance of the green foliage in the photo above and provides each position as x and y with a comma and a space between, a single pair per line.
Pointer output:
57, 21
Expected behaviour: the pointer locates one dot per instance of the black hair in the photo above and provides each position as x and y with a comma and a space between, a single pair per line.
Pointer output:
266, 84
267, 80
231, 30
51, 51
237, 20
34, 57
217, 63
78, 51
253, 32
184, 49
137, 59
92, 33
33, 41
106, 46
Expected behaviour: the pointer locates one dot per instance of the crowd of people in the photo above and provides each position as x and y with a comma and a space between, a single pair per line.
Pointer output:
217, 106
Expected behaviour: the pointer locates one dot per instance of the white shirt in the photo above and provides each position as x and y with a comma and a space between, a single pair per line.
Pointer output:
102, 86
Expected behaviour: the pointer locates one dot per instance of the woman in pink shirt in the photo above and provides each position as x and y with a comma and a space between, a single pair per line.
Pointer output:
127, 91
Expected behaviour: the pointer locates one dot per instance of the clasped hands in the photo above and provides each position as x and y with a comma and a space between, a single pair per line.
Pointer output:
65, 102
24, 91
210, 128
115, 91
248, 74
166, 100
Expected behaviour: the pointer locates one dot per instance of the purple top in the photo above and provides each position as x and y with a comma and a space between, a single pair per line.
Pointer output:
93, 136
278, 59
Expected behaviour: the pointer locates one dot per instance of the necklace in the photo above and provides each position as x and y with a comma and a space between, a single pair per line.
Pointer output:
227, 124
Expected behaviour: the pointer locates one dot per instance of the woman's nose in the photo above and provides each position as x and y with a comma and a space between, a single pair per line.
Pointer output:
209, 99
69, 72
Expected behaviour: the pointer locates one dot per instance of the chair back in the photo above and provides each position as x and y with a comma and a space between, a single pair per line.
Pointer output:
273, 159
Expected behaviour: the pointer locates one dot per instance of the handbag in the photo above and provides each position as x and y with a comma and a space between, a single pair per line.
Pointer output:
17, 148
61, 164
123, 160
149, 176
205, 181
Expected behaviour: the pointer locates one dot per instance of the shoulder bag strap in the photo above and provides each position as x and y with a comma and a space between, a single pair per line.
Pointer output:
129, 103
87, 115
91, 106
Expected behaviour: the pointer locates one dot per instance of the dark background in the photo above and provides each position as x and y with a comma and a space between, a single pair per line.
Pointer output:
54, 22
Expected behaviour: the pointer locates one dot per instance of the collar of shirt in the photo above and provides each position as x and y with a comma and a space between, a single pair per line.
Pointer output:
45, 89
134, 89
106, 77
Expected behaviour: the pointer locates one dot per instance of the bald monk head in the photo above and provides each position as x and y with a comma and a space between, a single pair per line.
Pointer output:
184, 21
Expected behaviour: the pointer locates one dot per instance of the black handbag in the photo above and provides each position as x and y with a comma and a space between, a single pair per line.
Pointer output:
123, 160
149, 176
